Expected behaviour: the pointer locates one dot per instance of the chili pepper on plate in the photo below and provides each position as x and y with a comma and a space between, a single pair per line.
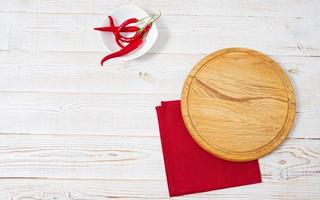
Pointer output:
131, 29
134, 41
122, 27
142, 31
114, 33
125, 24
127, 29
127, 49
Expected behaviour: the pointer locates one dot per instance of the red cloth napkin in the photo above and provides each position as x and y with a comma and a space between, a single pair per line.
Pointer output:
189, 168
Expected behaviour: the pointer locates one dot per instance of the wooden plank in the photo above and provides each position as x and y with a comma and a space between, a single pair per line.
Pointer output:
80, 72
152, 189
137, 158
178, 34
272, 8
81, 157
153, 73
4, 32
76, 113
107, 114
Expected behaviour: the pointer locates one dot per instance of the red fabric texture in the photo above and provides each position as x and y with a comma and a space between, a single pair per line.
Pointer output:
191, 169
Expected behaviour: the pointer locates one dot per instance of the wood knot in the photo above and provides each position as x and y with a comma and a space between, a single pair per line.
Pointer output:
287, 26
299, 47
282, 162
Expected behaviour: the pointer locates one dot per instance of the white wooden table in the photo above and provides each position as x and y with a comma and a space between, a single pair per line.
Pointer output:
72, 130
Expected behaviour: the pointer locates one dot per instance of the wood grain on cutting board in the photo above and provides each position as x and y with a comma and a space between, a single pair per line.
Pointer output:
238, 104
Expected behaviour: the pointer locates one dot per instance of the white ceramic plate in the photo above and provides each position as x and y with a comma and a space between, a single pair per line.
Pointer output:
119, 15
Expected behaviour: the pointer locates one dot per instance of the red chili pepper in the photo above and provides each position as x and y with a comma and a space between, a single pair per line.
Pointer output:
119, 37
127, 49
141, 32
127, 22
111, 21
115, 28
123, 25
126, 39
114, 33
146, 29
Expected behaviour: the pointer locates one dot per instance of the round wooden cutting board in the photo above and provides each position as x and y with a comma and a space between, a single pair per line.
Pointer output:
238, 104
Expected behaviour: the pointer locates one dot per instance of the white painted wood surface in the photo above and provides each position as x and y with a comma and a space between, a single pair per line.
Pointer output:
70, 129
